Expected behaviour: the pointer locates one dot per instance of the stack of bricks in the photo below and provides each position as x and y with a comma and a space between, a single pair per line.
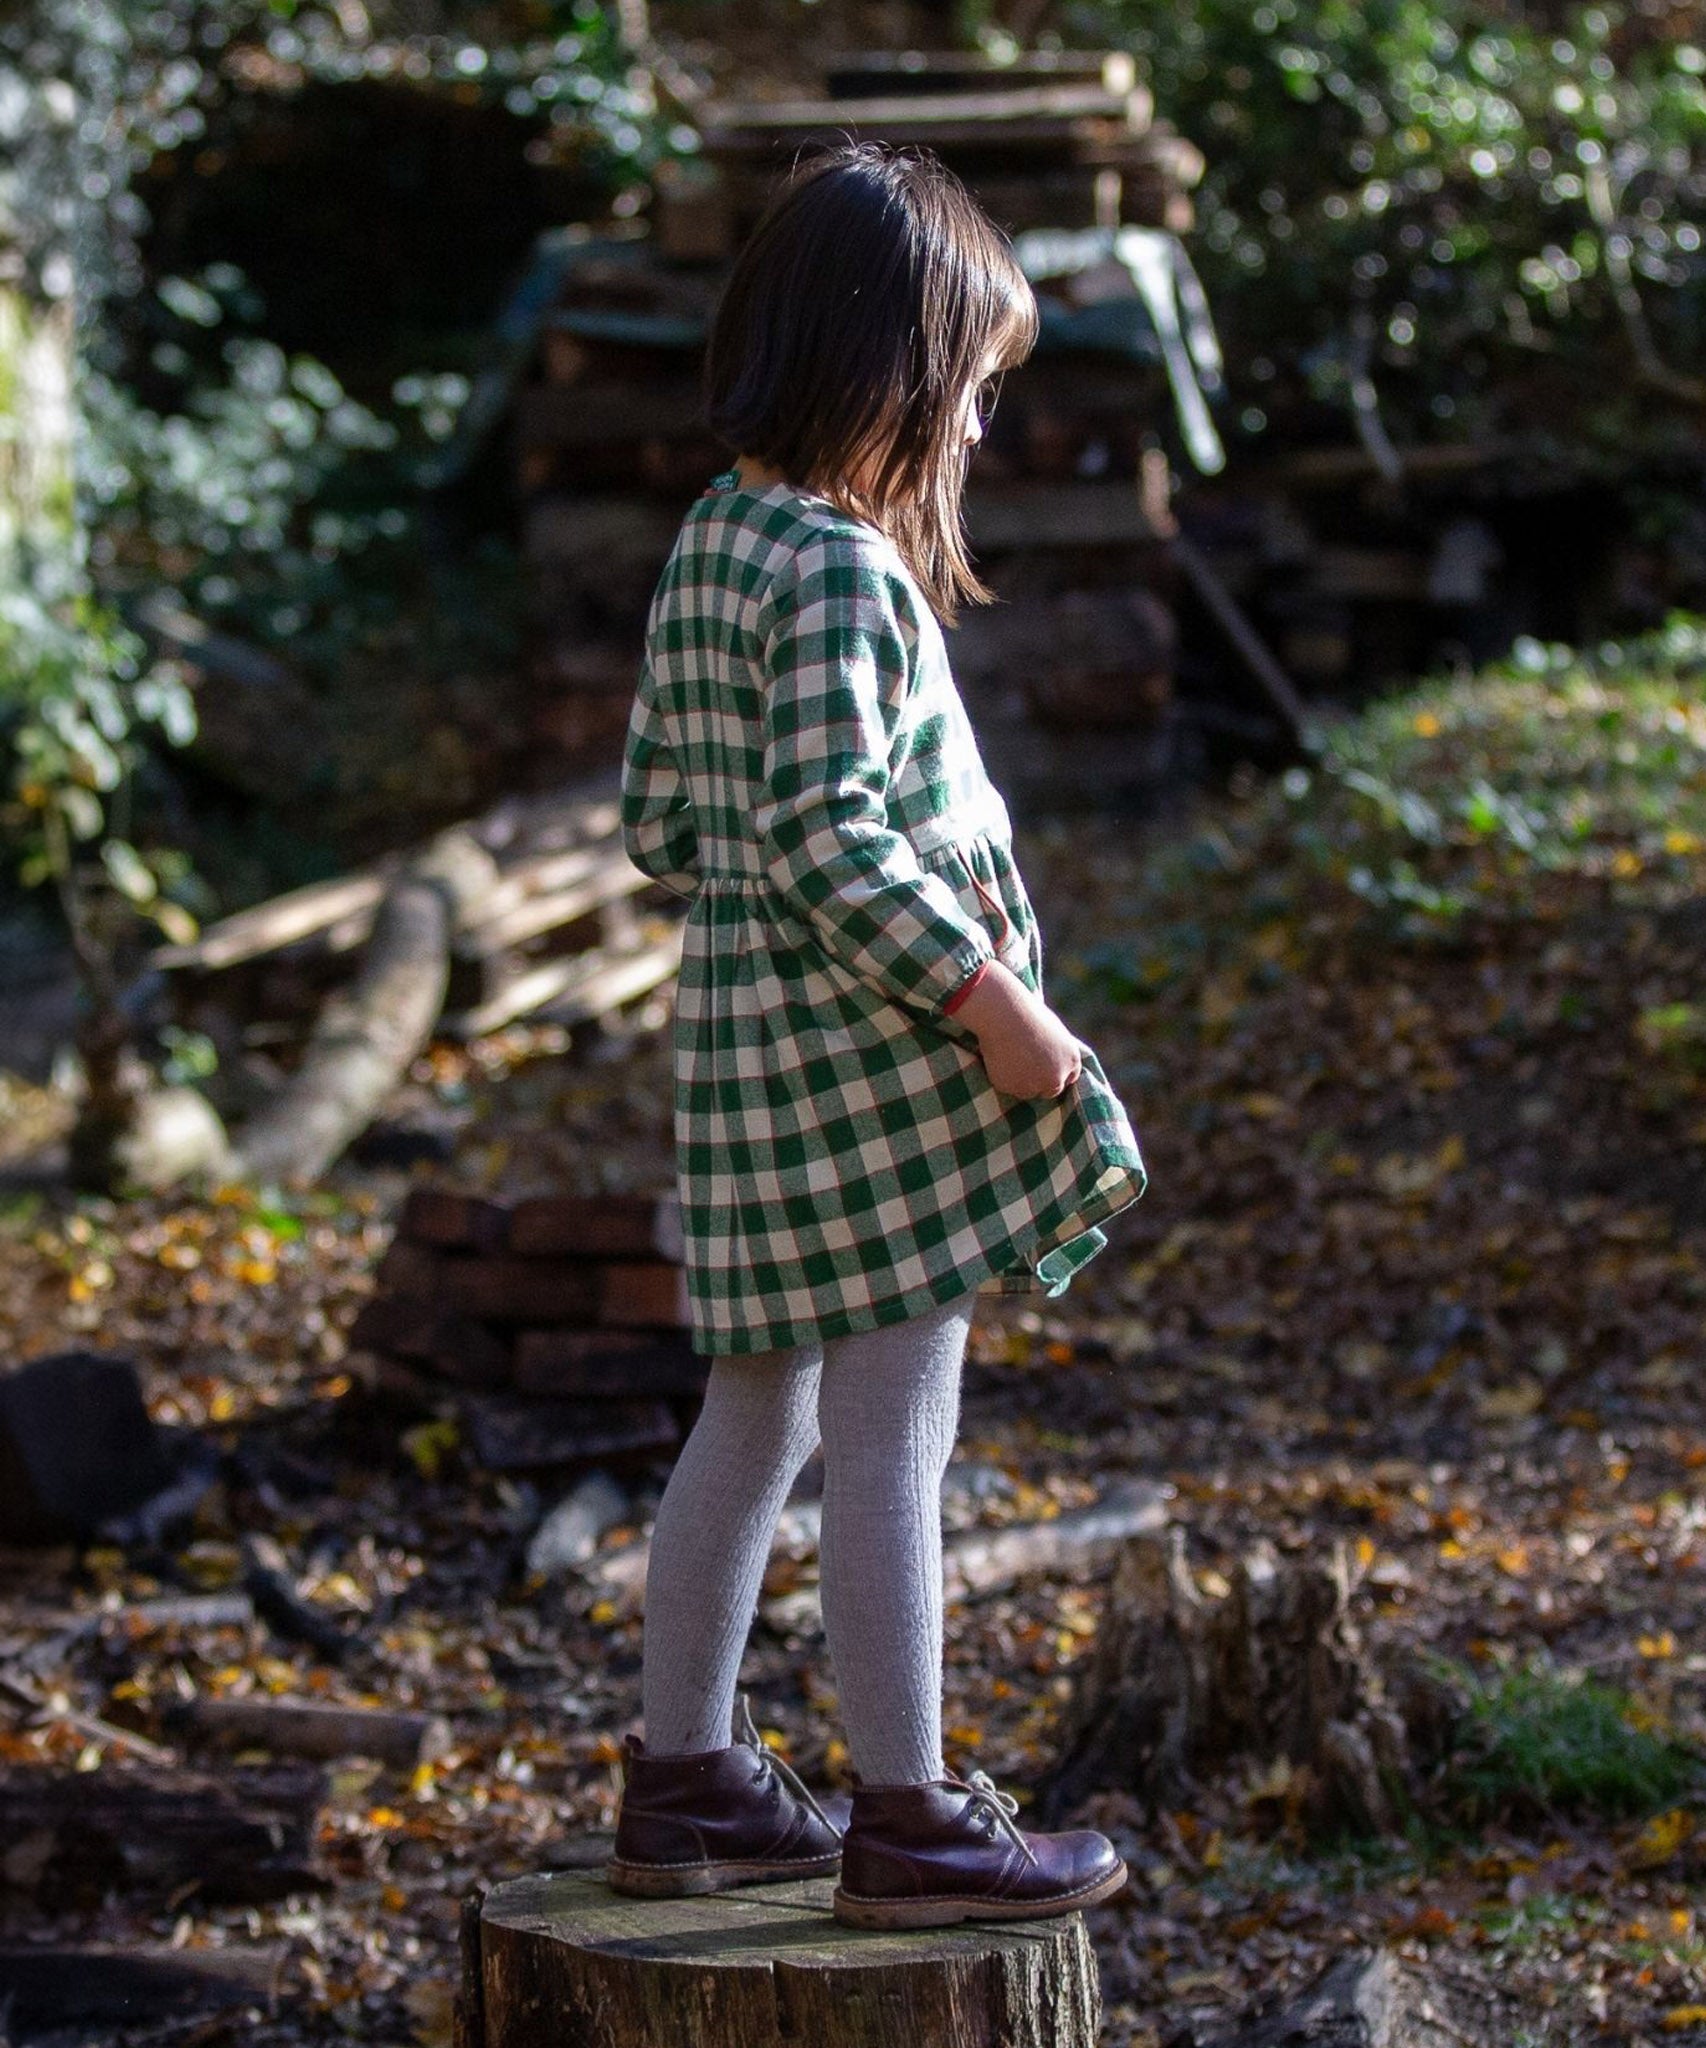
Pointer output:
560, 1321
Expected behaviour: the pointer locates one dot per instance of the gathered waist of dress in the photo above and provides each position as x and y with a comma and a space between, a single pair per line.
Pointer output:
728, 867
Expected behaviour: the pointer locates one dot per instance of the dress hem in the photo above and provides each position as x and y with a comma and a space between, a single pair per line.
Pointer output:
995, 1264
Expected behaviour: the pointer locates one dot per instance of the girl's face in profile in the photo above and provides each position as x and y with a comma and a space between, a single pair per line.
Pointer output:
975, 404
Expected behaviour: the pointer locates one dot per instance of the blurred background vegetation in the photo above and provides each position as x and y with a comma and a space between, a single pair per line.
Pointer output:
291, 224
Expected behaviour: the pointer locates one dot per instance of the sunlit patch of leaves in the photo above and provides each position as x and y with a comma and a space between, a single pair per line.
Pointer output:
1456, 797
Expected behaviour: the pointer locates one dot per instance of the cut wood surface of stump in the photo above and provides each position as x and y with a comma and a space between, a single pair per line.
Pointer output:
564, 1962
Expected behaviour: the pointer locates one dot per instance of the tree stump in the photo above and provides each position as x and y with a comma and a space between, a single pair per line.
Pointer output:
1274, 1671
561, 1961
1374, 2000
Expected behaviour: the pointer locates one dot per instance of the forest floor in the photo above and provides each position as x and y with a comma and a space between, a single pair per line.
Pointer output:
1416, 1046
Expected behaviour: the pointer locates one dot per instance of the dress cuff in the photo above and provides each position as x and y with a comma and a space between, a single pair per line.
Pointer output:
965, 988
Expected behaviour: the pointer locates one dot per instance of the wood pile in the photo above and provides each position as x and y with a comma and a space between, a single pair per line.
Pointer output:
532, 912
1068, 506
552, 934
560, 1322
1056, 138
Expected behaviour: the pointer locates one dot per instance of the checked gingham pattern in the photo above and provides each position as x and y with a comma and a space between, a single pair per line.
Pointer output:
800, 765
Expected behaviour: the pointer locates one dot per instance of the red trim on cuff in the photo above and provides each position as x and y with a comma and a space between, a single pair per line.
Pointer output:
965, 988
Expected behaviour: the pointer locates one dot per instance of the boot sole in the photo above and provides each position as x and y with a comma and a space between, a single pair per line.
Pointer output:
946, 1910
692, 1880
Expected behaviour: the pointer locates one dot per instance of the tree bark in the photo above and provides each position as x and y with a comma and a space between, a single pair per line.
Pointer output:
567, 1963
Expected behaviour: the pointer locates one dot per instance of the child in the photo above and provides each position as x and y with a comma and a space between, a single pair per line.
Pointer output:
877, 1117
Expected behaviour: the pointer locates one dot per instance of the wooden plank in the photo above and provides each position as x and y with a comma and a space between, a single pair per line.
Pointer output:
966, 70
1003, 110
571, 991
282, 921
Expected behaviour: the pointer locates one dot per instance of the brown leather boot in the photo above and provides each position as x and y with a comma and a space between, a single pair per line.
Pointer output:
706, 1820
929, 1855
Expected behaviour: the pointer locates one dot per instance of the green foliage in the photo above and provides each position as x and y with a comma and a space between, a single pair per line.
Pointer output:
77, 696
254, 486
1449, 798
264, 494
1461, 216
1536, 1744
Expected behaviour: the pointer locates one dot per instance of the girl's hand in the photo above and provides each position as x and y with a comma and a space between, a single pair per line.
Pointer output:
1026, 1050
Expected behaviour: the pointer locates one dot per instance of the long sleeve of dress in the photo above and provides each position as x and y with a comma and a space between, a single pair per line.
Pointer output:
657, 812
836, 671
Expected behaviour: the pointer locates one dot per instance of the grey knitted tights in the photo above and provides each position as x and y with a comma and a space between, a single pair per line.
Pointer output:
886, 1404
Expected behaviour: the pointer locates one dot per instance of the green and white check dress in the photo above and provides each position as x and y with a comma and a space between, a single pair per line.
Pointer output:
799, 763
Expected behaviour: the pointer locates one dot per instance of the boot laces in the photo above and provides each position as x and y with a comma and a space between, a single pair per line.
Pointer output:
746, 1732
1000, 1806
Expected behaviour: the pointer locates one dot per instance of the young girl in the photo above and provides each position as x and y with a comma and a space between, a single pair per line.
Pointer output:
877, 1116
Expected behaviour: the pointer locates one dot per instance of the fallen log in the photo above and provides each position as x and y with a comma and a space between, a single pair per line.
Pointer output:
978, 1561
45, 1989
321, 1730
367, 1035
68, 1837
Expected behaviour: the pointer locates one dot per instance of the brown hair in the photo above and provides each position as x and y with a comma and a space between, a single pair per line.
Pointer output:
858, 313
